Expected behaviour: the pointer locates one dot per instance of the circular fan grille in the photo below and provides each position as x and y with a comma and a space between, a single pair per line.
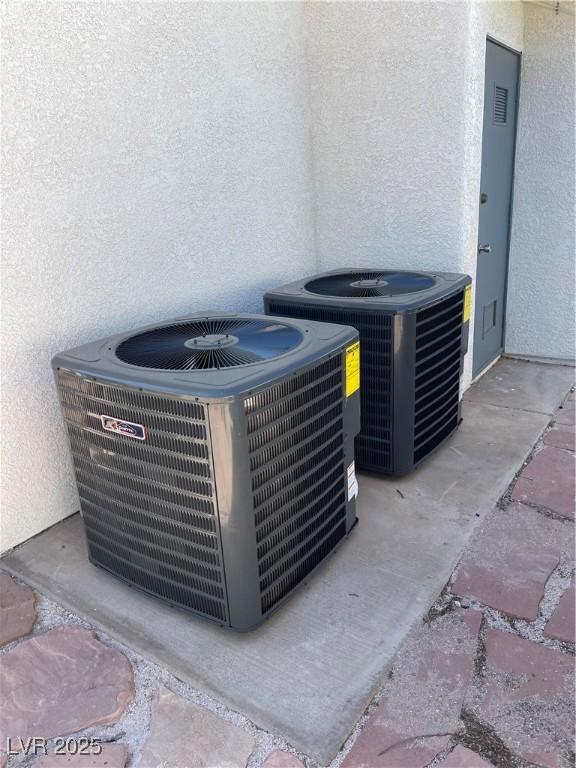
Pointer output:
208, 343
368, 284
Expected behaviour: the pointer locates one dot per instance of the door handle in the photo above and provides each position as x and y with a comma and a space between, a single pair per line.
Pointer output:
485, 248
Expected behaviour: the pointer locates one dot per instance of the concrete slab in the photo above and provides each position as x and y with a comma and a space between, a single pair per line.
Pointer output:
309, 672
522, 384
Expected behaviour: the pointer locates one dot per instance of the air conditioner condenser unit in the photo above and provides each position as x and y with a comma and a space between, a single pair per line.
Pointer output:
214, 456
413, 330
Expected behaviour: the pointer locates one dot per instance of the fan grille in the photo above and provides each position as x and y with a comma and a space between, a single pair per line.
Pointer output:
148, 507
209, 343
364, 285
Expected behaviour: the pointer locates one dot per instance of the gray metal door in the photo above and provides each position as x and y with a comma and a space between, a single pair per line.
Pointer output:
498, 140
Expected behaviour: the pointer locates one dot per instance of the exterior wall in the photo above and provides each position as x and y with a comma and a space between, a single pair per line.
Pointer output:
157, 162
541, 307
387, 89
397, 93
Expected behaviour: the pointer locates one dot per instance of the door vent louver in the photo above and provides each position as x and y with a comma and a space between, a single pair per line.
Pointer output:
500, 104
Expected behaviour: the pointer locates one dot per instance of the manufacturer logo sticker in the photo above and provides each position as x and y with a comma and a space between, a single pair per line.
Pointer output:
121, 427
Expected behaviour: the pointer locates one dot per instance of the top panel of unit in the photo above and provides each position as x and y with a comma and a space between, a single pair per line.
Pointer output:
207, 355
385, 289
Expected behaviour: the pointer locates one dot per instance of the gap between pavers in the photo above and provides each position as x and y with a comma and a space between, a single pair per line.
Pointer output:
310, 671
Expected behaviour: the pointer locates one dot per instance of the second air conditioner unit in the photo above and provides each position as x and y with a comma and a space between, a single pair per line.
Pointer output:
414, 334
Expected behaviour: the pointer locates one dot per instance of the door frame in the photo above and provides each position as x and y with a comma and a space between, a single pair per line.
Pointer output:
477, 373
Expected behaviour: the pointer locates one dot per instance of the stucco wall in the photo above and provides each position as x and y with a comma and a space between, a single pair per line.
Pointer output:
156, 162
541, 307
387, 89
397, 93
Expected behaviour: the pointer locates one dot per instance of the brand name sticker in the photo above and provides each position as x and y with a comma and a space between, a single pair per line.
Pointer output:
121, 427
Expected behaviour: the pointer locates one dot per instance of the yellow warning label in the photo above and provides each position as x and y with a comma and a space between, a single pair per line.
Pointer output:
352, 369
467, 303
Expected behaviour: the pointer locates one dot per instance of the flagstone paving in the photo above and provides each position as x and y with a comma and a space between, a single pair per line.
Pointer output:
509, 561
186, 735
562, 622
460, 757
525, 692
59, 683
107, 756
17, 609
422, 698
486, 680
280, 759
548, 481
561, 437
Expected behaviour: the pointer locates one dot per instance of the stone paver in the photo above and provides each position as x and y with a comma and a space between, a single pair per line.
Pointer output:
422, 700
561, 438
280, 759
548, 481
510, 559
515, 586
526, 696
111, 756
61, 682
461, 757
562, 622
408, 753
17, 609
184, 734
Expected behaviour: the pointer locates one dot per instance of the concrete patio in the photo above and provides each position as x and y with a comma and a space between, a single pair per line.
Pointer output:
308, 675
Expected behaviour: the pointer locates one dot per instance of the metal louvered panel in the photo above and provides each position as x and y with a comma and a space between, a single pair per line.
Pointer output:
148, 506
500, 104
296, 443
373, 447
437, 383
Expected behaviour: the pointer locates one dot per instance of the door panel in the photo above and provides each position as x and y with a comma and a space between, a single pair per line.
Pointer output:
498, 142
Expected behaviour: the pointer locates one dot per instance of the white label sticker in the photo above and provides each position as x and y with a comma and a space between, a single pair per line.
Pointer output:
352, 482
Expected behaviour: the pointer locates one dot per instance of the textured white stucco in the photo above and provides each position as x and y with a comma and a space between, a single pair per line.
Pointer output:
541, 307
156, 162
397, 93
387, 89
